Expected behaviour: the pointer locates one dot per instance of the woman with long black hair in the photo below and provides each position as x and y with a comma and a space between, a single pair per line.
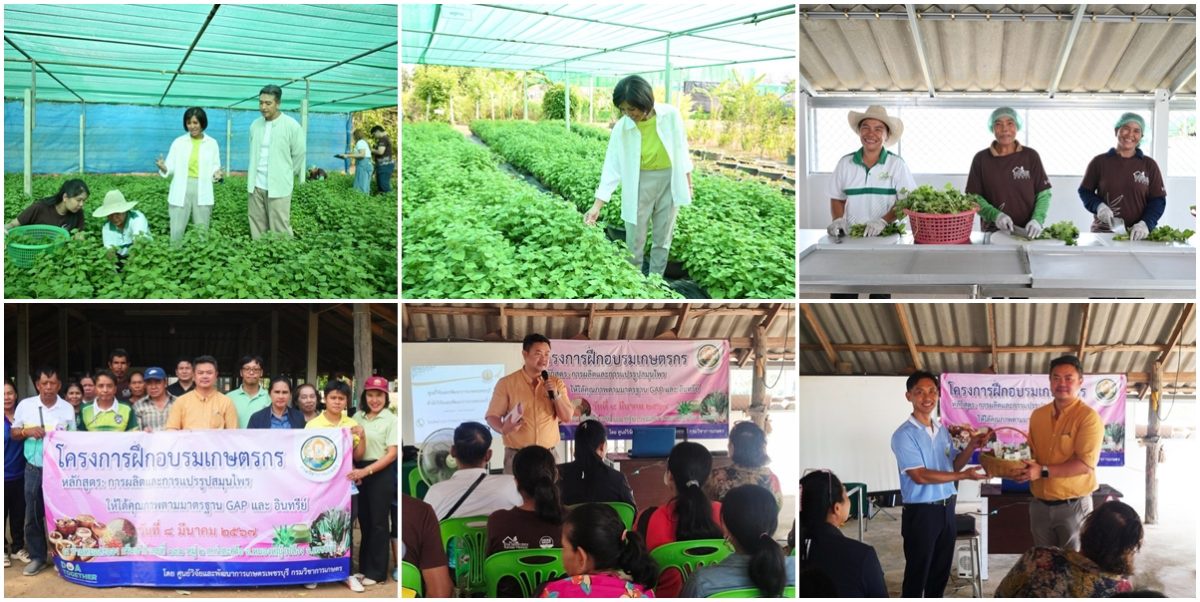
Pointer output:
602, 558
751, 518
690, 514
826, 555
62, 209
589, 478
538, 522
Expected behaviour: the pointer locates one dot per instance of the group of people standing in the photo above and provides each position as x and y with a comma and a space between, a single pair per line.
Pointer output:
120, 399
1006, 179
1078, 551
193, 164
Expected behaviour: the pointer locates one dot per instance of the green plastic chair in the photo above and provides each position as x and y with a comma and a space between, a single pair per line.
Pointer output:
854, 495
752, 592
687, 556
470, 549
410, 580
530, 568
626, 511
415, 486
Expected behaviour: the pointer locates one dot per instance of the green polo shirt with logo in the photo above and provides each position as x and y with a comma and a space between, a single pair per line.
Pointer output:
119, 417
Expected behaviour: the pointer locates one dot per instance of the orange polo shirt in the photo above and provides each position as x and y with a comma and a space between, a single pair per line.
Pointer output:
193, 412
1077, 431
539, 424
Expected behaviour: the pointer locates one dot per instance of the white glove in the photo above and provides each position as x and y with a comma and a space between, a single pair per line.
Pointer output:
1104, 214
1033, 229
1004, 222
839, 224
874, 227
1139, 231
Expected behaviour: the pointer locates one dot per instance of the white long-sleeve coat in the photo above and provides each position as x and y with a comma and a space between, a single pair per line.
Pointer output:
622, 162
177, 164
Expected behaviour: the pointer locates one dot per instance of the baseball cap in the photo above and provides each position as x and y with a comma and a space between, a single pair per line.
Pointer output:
154, 373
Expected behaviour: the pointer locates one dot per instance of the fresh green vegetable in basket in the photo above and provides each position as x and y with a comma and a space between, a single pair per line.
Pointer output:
926, 199
26, 239
858, 230
1163, 234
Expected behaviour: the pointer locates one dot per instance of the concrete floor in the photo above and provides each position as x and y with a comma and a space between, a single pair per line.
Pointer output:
1166, 562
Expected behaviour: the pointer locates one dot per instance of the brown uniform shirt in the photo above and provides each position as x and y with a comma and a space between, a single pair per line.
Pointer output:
539, 424
1124, 184
517, 529
42, 213
422, 535
1010, 183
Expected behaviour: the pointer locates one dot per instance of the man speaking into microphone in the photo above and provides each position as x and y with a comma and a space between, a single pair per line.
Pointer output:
528, 404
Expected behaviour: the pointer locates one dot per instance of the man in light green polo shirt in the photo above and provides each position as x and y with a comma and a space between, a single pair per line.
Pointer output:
251, 396
277, 151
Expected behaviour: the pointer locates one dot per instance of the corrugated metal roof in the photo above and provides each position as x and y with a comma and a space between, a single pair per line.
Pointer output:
481, 321
970, 55
1017, 325
598, 39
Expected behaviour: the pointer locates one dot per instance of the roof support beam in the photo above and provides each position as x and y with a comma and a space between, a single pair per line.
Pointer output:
991, 319
335, 101
932, 15
1184, 77
1083, 332
915, 28
805, 85
1064, 53
39, 65
199, 34
906, 329
684, 309
1016, 349
437, 15
830, 354
1188, 310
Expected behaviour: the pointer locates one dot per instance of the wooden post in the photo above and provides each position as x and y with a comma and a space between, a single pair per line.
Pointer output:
310, 375
24, 384
274, 357
1150, 517
362, 346
89, 346
758, 388
63, 371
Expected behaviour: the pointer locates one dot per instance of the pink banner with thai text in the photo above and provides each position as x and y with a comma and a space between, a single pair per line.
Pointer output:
995, 400
625, 384
199, 508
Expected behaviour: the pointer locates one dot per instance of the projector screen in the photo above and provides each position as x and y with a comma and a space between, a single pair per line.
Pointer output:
448, 395
446, 384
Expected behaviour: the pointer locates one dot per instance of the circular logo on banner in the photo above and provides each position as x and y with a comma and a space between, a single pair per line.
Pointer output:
1107, 390
318, 457
708, 358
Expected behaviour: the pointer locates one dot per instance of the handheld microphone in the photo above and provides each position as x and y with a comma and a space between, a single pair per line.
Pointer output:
546, 379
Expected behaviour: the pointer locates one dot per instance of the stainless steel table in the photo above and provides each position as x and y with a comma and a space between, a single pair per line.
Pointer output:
995, 266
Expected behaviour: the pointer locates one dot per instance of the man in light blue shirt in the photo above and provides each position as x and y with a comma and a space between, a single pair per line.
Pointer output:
928, 470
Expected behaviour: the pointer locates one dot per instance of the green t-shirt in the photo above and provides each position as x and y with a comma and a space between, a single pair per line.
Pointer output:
654, 154
381, 432
194, 158
119, 417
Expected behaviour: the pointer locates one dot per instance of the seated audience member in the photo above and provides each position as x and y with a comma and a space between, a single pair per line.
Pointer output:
280, 414
689, 515
750, 516
1109, 538
851, 566
748, 450
422, 538
471, 491
602, 558
536, 523
588, 478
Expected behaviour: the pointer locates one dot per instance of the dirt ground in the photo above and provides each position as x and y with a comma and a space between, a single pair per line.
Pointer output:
47, 584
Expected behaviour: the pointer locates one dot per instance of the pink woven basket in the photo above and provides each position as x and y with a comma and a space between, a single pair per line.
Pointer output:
942, 229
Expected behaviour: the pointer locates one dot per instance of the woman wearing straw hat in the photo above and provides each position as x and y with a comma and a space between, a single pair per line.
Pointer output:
1008, 180
867, 182
1124, 183
124, 224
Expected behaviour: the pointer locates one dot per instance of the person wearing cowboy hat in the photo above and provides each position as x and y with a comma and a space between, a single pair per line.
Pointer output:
1008, 180
1125, 183
124, 224
867, 182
